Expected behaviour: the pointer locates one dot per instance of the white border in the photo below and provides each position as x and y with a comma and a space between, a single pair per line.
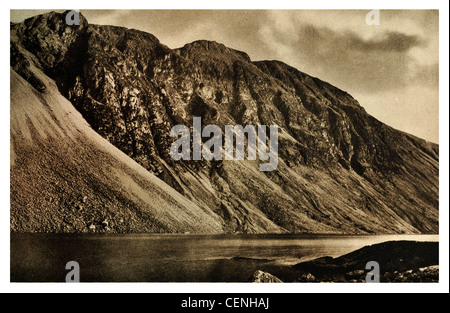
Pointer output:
443, 286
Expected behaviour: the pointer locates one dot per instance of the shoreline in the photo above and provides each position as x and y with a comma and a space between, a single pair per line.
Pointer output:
129, 258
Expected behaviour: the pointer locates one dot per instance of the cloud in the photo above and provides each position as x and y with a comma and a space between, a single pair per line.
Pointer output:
390, 42
345, 58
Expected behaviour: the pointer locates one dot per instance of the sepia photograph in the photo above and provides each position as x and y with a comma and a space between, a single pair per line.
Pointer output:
224, 146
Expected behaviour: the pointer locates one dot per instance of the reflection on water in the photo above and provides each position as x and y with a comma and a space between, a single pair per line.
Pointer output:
175, 258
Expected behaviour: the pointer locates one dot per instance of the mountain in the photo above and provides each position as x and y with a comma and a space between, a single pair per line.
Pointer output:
67, 178
339, 171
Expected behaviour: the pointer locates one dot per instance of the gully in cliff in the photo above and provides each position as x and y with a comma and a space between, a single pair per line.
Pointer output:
212, 148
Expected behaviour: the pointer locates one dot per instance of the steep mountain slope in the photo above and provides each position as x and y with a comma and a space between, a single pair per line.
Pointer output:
340, 170
66, 178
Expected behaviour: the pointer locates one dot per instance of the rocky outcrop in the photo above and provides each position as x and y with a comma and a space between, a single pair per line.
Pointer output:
307, 278
340, 170
428, 274
263, 277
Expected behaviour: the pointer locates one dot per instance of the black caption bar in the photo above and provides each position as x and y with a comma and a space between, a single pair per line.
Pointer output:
229, 302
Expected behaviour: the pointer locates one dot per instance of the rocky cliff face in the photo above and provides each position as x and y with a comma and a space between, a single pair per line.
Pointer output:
340, 170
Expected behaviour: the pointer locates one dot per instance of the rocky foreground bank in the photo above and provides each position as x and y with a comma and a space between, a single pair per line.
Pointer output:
400, 261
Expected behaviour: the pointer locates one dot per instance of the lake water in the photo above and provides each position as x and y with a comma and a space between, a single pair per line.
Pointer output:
175, 258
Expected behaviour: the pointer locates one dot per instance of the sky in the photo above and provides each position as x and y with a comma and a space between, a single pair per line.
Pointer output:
392, 69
